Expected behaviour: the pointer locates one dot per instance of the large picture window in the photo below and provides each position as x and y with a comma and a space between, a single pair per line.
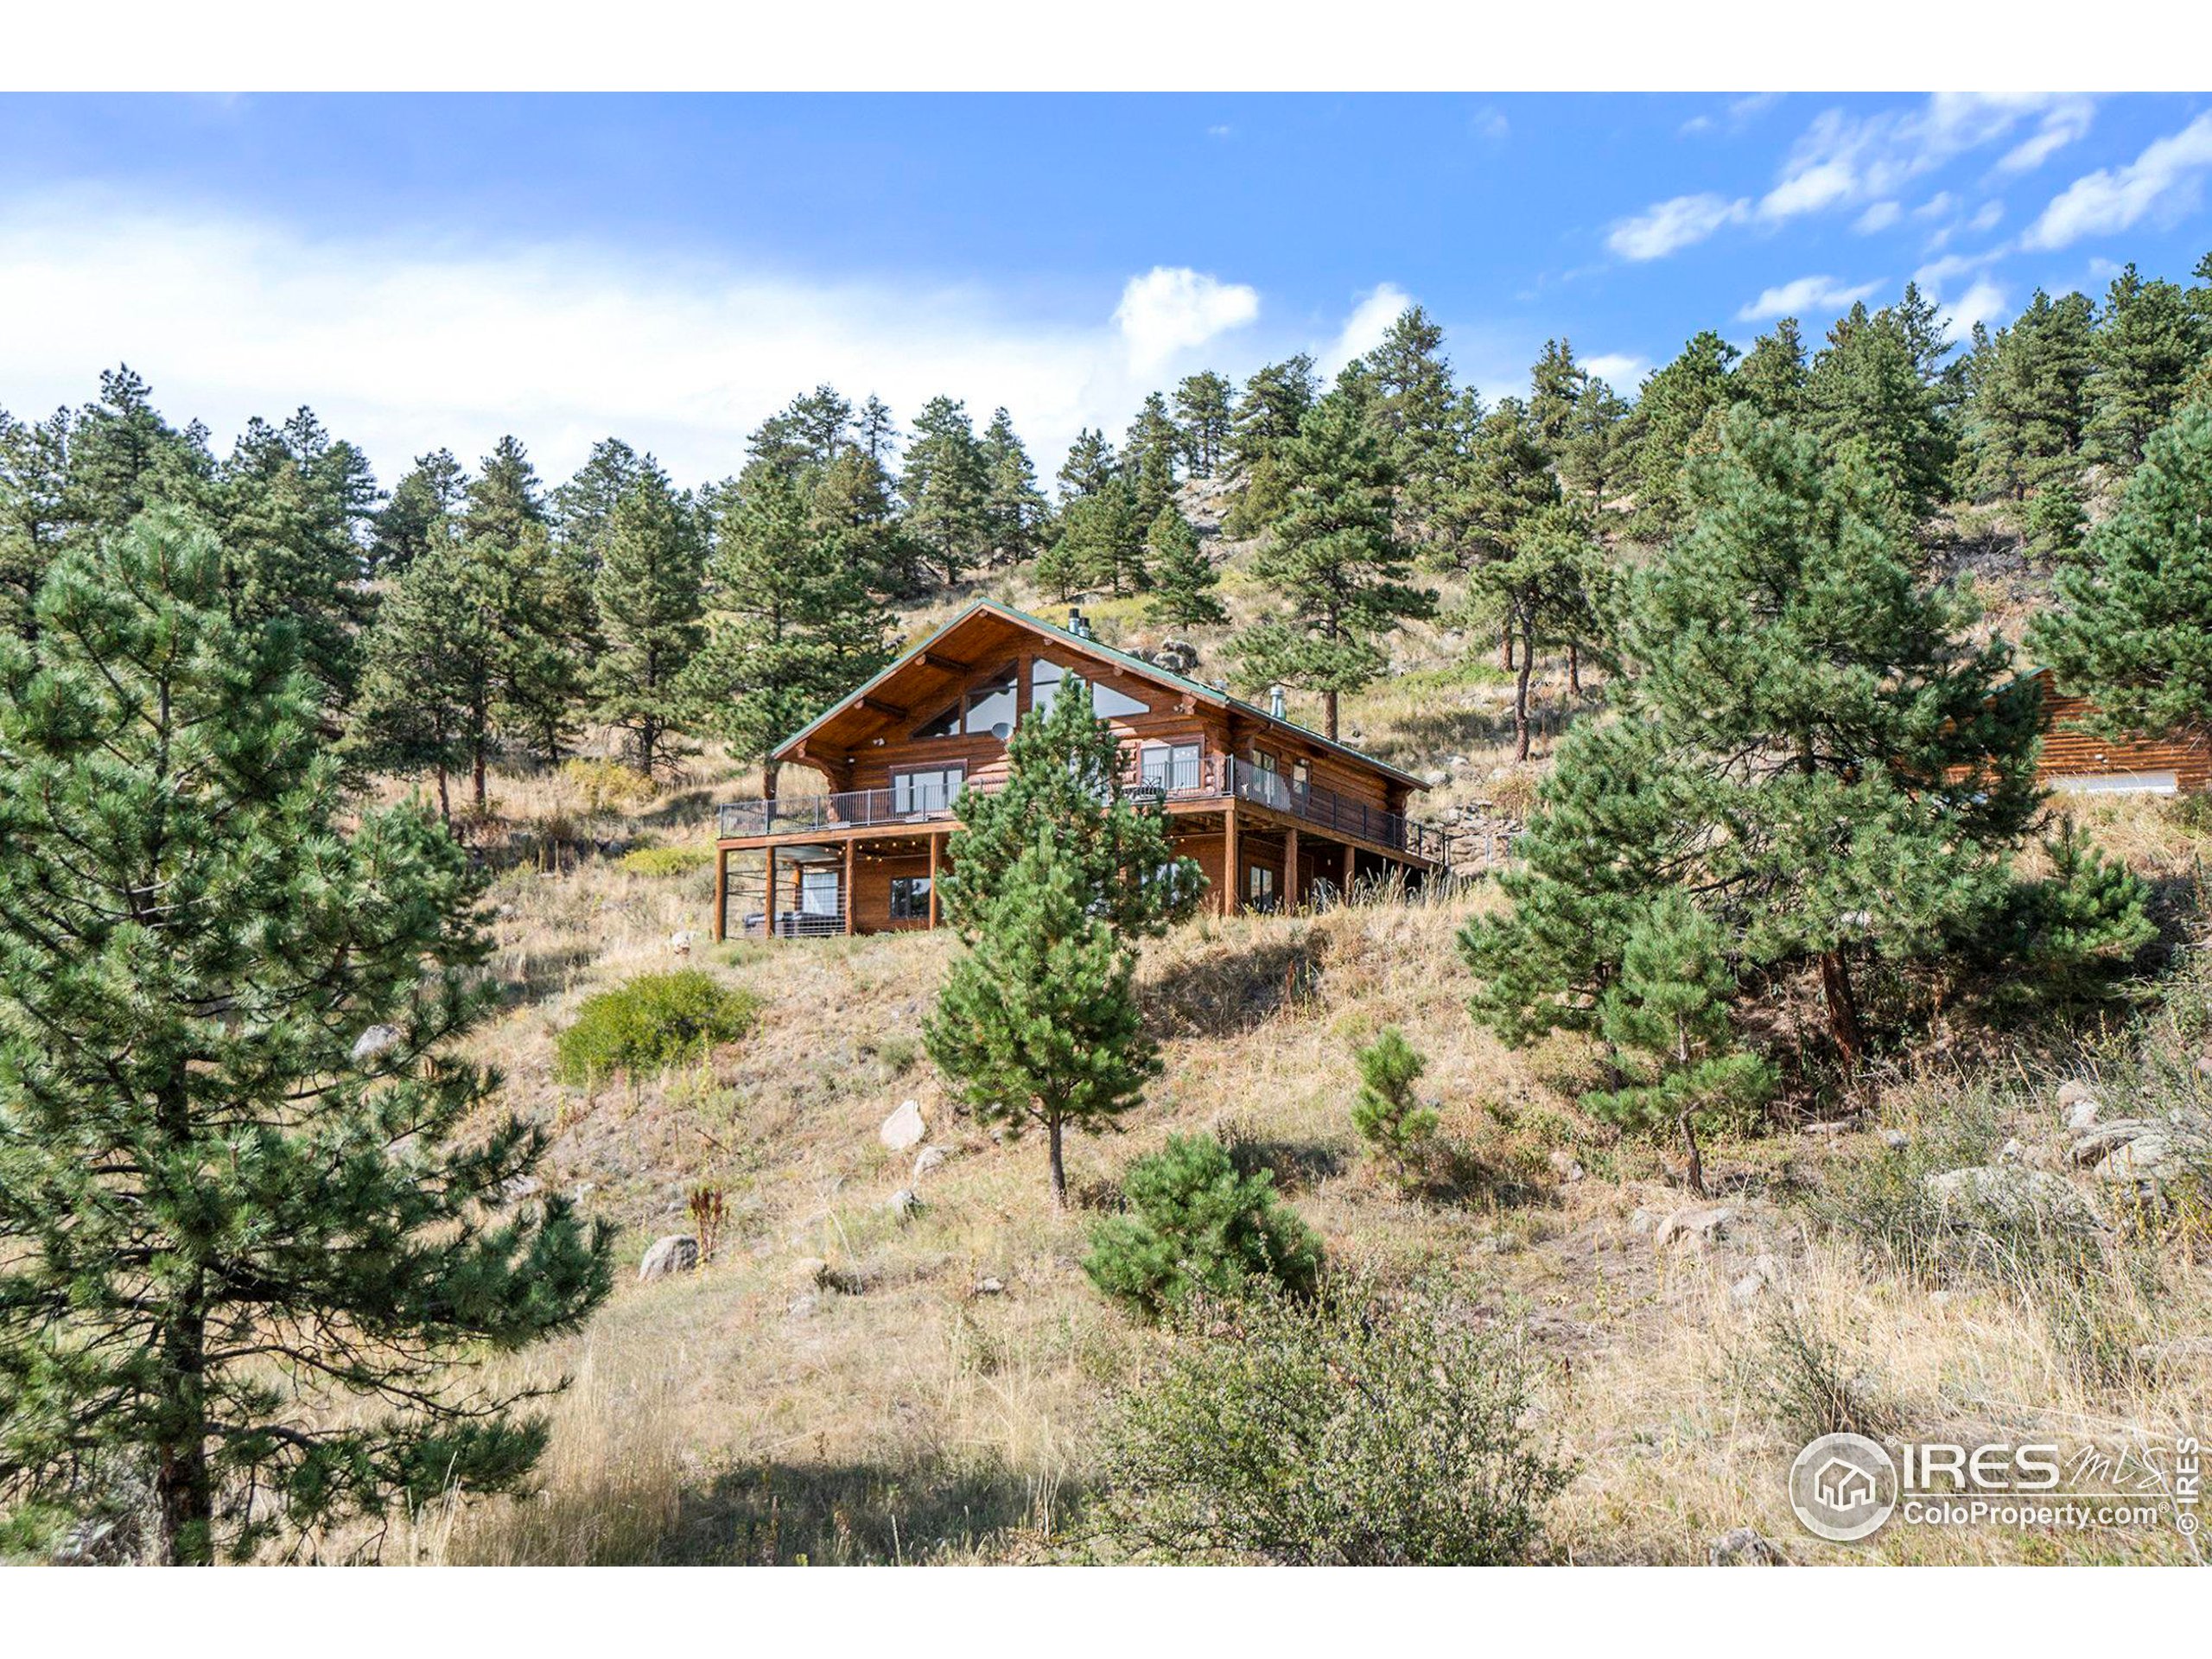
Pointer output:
1170, 766
909, 898
990, 708
818, 891
930, 789
1046, 678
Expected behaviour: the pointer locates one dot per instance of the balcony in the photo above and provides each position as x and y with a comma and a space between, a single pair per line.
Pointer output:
1159, 782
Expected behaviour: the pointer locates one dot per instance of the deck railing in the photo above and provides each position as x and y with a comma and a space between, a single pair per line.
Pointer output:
1188, 778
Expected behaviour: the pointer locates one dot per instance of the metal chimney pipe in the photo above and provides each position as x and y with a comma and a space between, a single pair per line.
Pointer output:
1277, 706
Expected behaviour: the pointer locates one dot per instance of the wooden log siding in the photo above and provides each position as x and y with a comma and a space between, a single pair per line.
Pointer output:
2070, 751
870, 738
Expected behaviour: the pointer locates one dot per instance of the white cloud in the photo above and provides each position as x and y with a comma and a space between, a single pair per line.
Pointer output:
1678, 223
1983, 303
404, 347
1878, 216
1814, 295
1171, 309
1986, 217
1808, 190
1618, 369
2166, 177
1363, 329
2065, 123
1489, 122
1843, 159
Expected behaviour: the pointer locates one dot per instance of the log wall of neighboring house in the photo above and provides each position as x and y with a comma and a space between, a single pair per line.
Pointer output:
2071, 753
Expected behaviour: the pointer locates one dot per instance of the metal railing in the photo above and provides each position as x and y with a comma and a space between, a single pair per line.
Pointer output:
1190, 777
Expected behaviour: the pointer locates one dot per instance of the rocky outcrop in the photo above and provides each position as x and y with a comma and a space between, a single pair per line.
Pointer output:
666, 1257
904, 1127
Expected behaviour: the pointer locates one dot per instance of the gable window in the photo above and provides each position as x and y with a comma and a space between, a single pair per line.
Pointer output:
1170, 766
1046, 678
990, 708
909, 898
945, 724
926, 789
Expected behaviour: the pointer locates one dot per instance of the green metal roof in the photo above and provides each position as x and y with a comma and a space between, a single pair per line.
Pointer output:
1098, 647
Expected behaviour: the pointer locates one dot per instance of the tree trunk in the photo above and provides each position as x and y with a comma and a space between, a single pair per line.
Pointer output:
184, 1490
445, 797
1575, 668
1329, 714
1059, 1167
1843, 1007
1697, 1164
1505, 648
1521, 704
768, 771
476, 775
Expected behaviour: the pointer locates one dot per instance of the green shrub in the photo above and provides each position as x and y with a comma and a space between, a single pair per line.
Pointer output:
1386, 1114
1356, 1428
666, 860
1198, 1226
653, 1021
607, 786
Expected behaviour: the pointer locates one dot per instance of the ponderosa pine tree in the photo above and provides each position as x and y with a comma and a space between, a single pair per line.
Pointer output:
430, 674
2030, 412
1015, 509
1666, 1021
1878, 389
1772, 376
1090, 468
1334, 563
124, 456
1052, 879
1202, 406
1100, 543
2149, 341
1385, 1112
1503, 477
1410, 404
33, 510
535, 577
1678, 407
1555, 387
1150, 452
424, 509
2130, 630
1810, 743
945, 484
245, 1254
650, 591
1543, 592
1183, 578
791, 623
1275, 401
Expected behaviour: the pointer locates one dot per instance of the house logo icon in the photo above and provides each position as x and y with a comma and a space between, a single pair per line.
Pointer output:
1843, 1487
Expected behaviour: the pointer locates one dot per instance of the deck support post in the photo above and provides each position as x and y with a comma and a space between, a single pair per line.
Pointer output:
1229, 872
1290, 868
1351, 865
768, 904
721, 893
933, 869
845, 886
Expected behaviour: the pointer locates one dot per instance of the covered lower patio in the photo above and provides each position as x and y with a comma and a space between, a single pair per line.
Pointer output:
814, 889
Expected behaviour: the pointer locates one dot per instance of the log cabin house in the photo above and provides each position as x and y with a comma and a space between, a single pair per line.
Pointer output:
1277, 817
2077, 761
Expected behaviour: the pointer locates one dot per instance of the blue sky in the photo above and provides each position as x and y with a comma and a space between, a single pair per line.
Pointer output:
432, 270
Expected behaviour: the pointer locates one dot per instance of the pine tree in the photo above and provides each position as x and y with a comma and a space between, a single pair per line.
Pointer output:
1502, 478
2149, 341
430, 674
1015, 509
1385, 1112
1675, 414
1065, 779
1556, 388
1275, 401
534, 569
2129, 631
1543, 591
1667, 1017
1101, 544
1183, 578
1591, 458
649, 591
945, 484
124, 456
1811, 744
1090, 468
581, 509
1876, 391
1148, 455
1053, 879
242, 1249
423, 512
33, 510
853, 500
1411, 405
1772, 377
792, 625
2032, 409
1335, 563
1202, 403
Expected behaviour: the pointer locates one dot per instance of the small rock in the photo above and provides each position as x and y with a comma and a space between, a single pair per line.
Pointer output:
1743, 1547
903, 1127
2081, 1115
1498, 1244
582, 1191
1564, 1164
1693, 1227
1832, 1126
1896, 1139
377, 1039
2012, 1152
677, 1253
930, 1158
988, 1288
1642, 1222
2072, 1092
1434, 776
680, 942
903, 1203
523, 1186
2204, 1065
